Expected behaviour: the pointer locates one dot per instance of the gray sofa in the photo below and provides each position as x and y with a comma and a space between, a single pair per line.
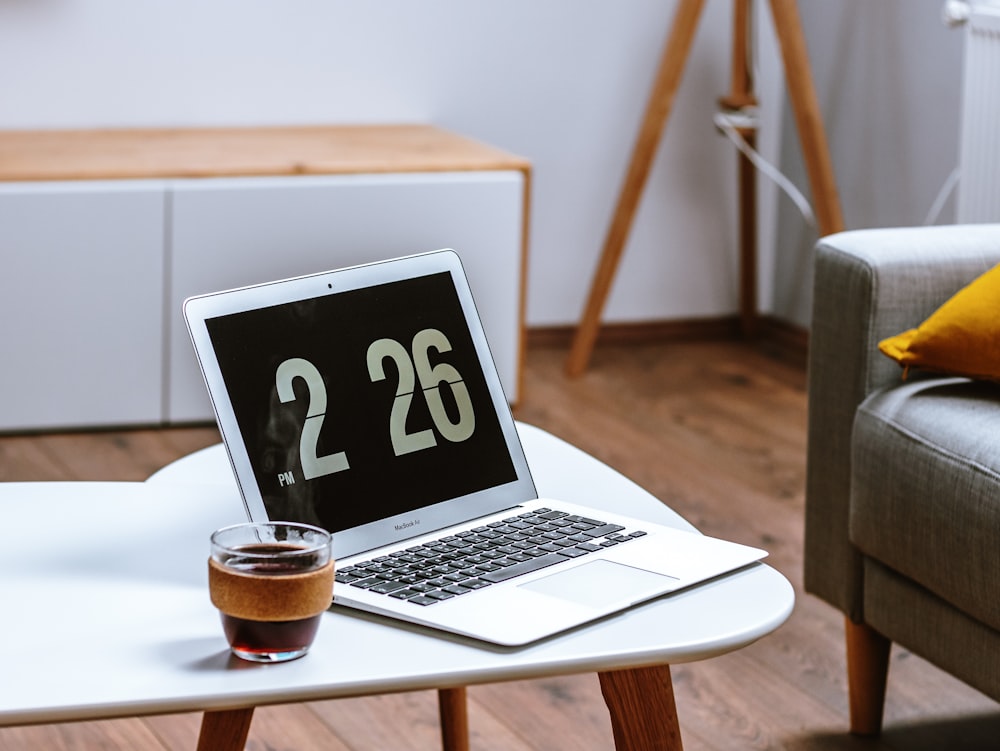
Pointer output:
903, 477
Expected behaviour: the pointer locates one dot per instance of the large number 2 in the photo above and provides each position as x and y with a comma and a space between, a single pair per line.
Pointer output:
312, 465
418, 368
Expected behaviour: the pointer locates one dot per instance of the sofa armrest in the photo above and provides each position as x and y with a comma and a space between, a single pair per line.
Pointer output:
869, 285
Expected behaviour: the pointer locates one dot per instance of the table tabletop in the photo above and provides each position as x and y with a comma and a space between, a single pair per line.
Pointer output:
107, 608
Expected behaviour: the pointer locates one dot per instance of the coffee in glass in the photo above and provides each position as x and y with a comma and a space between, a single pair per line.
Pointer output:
271, 582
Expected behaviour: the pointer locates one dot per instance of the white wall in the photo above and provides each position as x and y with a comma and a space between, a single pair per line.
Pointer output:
563, 82
888, 75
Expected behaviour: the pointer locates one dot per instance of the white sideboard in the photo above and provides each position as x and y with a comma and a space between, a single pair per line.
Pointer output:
95, 271
81, 304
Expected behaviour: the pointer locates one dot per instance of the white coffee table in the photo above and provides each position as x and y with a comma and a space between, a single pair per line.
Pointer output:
113, 617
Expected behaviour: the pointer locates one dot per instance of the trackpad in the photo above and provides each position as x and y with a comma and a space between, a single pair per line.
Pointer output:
601, 584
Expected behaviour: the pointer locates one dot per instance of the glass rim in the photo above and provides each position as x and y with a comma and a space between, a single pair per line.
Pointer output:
307, 549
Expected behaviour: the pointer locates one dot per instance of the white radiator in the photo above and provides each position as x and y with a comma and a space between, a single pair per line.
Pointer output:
979, 148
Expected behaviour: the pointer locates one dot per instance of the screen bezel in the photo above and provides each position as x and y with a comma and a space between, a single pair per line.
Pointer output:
198, 309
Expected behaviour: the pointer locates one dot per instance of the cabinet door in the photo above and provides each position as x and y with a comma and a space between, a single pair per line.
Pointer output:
81, 304
230, 233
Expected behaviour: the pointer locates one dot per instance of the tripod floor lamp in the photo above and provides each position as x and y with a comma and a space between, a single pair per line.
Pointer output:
809, 124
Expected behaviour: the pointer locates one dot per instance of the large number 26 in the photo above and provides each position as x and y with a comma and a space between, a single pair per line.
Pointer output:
312, 465
418, 368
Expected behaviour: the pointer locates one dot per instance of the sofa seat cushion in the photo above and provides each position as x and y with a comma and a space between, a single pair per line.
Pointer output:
925, 488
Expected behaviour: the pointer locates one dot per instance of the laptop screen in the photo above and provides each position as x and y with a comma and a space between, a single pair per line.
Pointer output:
360, 405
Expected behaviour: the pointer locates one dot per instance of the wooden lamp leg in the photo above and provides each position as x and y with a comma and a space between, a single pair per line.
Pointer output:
741, 96
454, 719
812, 136
808, 121
658, 108
643, 712
867, 671
225, 730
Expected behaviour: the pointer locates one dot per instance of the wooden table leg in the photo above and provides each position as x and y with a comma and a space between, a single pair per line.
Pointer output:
643, 713
225, 730
454, 719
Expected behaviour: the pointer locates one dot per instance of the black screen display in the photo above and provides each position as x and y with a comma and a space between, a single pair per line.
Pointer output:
359, 405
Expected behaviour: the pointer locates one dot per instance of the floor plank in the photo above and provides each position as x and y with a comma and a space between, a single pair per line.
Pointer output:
553, 713
108, 735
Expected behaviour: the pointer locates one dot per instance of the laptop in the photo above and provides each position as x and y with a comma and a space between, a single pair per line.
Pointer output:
365, 400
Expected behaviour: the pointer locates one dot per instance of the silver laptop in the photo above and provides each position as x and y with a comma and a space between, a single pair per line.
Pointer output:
365, 400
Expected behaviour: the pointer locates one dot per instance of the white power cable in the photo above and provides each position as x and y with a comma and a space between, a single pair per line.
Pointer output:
728, 122
942, 196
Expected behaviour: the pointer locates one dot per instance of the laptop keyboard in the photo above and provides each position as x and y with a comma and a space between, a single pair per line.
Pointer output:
457, 564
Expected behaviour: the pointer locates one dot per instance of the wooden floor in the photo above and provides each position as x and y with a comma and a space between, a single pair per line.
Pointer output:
717, 431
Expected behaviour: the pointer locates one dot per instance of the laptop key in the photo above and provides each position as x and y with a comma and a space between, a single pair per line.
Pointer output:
440, 594
515, 537
606, 529
386, 587
366, 583
423, 600
403, 594
563, 543
546, 514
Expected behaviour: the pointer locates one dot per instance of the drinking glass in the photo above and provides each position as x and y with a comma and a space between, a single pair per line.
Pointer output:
271, 582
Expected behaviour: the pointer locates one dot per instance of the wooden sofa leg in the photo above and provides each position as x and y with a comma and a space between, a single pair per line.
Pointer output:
867, 671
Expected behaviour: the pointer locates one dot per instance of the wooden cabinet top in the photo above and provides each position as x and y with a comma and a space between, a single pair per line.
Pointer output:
242, 152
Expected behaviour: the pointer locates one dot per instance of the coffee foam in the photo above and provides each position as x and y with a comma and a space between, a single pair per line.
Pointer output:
287, 597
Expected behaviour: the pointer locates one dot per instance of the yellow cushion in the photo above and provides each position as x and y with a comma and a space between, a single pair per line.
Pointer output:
962, 337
